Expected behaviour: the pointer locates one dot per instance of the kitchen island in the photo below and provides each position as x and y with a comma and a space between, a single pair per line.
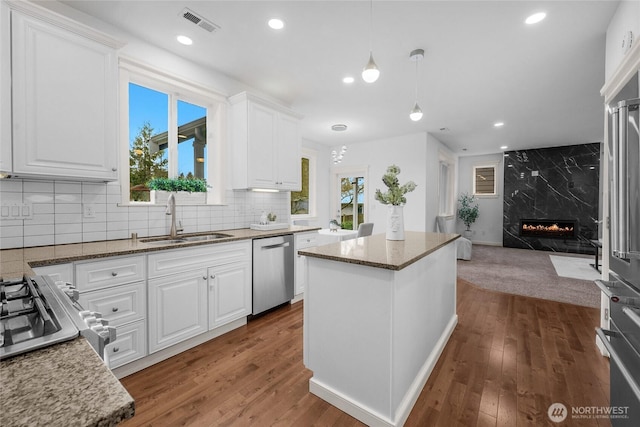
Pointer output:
377, 316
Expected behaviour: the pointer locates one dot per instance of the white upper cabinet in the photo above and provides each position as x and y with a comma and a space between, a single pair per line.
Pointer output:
64, 97
265, 144
5, 90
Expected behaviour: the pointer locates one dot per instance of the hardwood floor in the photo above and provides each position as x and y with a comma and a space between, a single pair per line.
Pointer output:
509, 358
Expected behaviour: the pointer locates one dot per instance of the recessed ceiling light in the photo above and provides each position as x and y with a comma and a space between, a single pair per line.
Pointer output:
535, 18
348, 80
498, 124
339, 127
504, 147
184, 40
276, 24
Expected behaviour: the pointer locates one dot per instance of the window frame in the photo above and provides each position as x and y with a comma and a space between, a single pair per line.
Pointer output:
312, 155
176, 88
494, 166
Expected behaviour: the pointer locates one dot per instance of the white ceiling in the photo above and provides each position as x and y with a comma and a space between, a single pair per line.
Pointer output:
482, 64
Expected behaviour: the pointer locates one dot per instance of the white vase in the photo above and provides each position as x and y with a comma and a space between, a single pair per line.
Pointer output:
467, 234
395, 223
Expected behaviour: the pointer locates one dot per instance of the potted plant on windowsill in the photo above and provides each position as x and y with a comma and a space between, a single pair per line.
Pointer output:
187, 191
468, 212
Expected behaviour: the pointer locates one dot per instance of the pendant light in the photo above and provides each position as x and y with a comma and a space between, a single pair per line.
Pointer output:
370, 73
415, 56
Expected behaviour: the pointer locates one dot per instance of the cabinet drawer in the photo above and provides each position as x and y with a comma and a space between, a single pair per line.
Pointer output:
119, 305
177, 260
109, 272
307, 240
130, 344
57, 272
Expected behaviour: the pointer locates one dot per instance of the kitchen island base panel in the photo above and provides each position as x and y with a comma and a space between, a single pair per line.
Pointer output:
372, 418
373, 336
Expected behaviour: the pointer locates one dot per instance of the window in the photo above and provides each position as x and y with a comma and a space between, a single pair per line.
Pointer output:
169, 132
303, 201
484, 180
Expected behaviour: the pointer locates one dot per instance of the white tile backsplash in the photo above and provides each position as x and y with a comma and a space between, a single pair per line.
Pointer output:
59, 207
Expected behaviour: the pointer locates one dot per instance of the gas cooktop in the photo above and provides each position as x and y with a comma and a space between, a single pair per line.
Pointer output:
31, 316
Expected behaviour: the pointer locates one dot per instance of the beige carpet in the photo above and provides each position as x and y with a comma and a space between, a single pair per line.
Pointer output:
526, 272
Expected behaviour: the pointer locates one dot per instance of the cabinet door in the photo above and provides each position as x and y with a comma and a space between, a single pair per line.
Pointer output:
303, 241
229, 293
130, 345
177, 308
64, 102
261, 135
5, 89
288, 149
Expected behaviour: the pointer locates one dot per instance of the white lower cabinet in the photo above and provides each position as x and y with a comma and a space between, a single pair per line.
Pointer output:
177, 308
130, 345
229, 293
303, 241
57, 272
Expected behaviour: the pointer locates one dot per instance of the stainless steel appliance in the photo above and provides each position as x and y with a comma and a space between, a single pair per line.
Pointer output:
36, 312
273, 260
623, 288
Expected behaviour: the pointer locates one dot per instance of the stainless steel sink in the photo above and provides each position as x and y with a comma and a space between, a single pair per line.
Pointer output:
205, 237
182, 239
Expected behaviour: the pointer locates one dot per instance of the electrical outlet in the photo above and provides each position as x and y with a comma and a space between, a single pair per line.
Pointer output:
89, 211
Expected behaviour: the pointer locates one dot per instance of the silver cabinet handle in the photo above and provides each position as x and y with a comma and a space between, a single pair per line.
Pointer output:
602, 334
213, 276
114, 169
114, 273
116, 349
114, 309
204, 277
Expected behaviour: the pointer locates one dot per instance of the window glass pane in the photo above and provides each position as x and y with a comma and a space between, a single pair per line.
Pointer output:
192, 141
300, 199
485, 180
351, 202
148, 120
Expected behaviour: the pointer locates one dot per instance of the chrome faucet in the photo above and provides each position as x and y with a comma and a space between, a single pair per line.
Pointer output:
171, 210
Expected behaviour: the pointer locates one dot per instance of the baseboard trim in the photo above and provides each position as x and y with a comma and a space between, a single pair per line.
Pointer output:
477, 242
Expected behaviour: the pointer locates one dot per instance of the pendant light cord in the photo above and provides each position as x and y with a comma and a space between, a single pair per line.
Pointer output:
416, 81
371, 26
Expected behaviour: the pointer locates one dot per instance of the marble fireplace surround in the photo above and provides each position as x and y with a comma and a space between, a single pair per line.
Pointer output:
558, 185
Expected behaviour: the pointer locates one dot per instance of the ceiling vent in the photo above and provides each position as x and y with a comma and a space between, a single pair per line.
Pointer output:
201, 22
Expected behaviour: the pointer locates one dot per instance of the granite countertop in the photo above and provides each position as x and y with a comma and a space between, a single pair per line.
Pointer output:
63, 385
377, 251
15, 263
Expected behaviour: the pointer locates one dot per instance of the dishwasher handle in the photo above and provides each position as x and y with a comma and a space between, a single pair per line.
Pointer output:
277, 245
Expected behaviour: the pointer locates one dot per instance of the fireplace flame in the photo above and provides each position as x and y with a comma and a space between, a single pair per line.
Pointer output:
554, 228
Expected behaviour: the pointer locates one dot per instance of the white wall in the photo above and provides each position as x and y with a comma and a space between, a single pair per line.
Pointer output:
626, 18
488, 227
407, 152
323, 162
417, 157
432, 169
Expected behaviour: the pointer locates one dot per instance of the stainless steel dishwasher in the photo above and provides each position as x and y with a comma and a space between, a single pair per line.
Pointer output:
273, 260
